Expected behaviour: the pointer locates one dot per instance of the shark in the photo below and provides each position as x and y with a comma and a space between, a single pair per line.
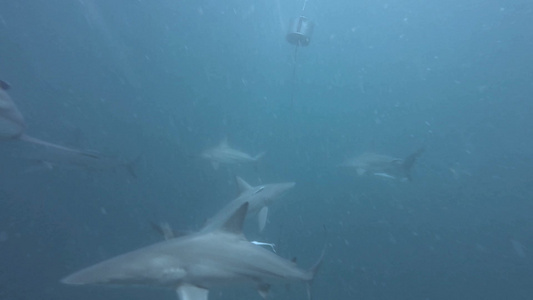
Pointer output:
13, 126
53, 159
384, 165
195, 263
258, 197
223, 153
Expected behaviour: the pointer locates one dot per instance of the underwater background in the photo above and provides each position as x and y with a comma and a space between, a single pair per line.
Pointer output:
157, 82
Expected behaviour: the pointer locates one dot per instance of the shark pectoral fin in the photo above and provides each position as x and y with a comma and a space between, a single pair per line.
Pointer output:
263, 290
191, 292
243, 185
385, 175
262, 218
215, 165
360, 171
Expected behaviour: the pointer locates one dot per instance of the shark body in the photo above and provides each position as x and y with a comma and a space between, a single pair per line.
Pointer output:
55, 159
384, 165
13, 126
192, 264
258, 199
223, 153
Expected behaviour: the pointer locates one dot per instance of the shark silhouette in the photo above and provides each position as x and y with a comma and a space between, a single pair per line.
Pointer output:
194, 263
13, 126
258, 198
384, 165
223, 153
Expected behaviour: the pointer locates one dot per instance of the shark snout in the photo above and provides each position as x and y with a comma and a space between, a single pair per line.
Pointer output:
73, 280
287, 186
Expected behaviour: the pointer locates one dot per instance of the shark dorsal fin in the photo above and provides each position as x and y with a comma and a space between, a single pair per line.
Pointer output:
243, 185
235, 221
191, 292
4, 85
224, 143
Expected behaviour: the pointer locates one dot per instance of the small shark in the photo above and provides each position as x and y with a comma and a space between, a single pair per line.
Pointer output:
52, 160
13, 126
193, 264
224, 154
258, 198
384, 165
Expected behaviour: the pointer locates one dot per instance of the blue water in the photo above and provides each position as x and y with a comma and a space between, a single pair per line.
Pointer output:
167, 79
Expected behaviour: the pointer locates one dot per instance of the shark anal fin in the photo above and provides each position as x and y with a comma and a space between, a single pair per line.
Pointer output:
263, 290
262, 218
191, 292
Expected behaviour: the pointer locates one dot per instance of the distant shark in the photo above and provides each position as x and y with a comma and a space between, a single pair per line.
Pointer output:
223, 153
193, 264
384, 165
52, 160
13, 126
258, 198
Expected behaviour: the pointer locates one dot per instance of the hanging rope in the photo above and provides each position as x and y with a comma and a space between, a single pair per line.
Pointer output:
303, 8
293, 79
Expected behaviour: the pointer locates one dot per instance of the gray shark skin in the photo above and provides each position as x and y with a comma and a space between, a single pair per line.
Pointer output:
384, 165
13, 126
258, 198
194, 263
223, 153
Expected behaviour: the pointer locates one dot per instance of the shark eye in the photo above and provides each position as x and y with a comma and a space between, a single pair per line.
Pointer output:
259, 189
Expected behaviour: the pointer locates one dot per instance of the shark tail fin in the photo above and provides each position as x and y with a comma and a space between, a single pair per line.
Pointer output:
410, 160
312, 272
259, 156
131, 165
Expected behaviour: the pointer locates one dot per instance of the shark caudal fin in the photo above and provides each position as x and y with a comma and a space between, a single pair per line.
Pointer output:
131, 165
409, 161
259, 156
312, 272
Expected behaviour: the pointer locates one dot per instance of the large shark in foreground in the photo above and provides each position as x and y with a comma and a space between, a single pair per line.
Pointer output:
194, 263
13, 126
258, 198
384, 165
224, 154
